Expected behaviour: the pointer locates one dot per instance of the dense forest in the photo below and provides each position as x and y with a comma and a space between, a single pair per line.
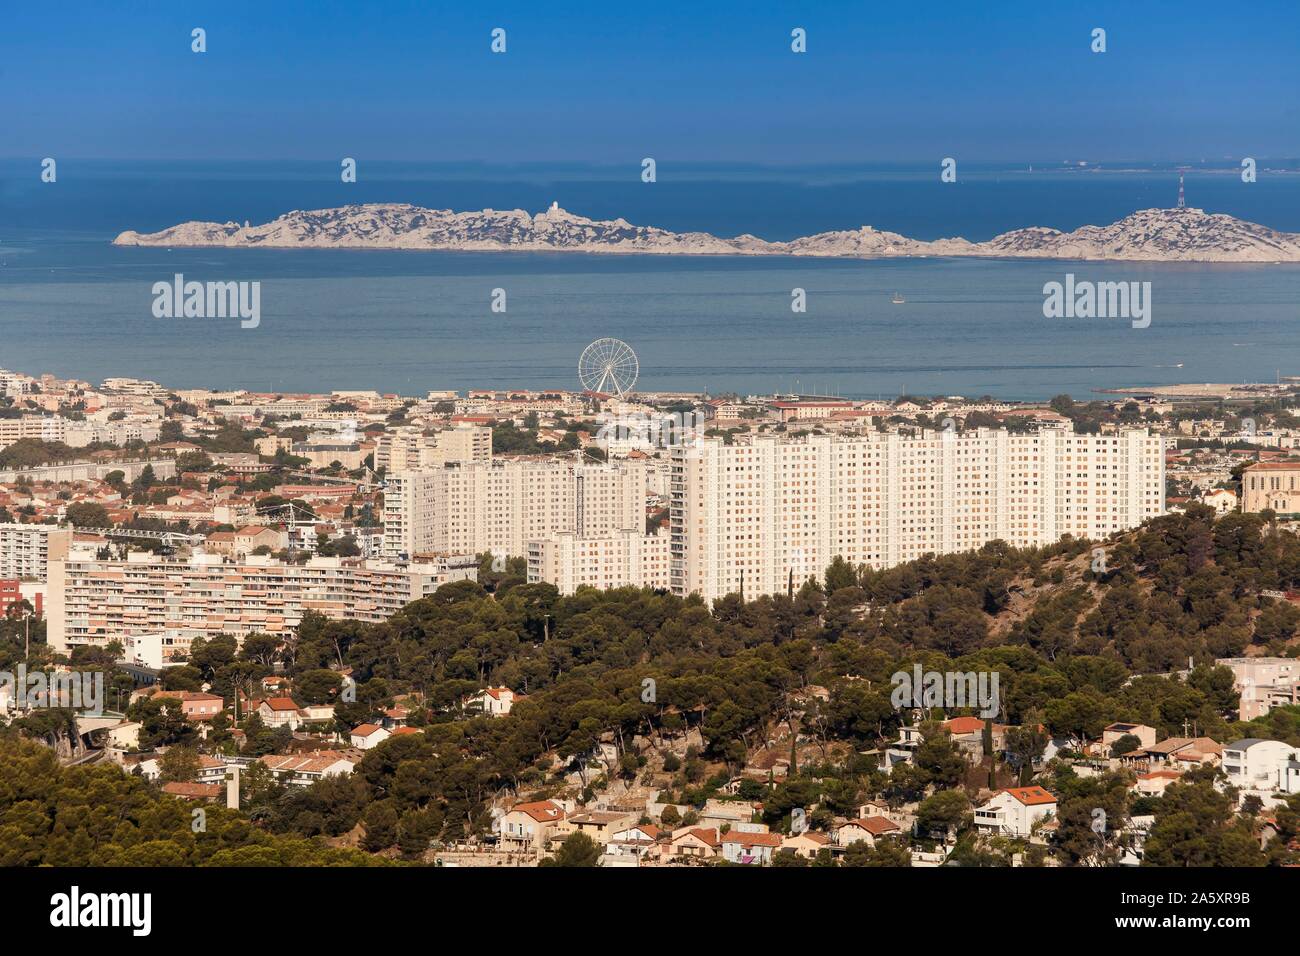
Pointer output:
1078, 643
51, 815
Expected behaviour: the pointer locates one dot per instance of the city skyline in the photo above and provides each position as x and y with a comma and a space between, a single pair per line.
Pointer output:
542, 437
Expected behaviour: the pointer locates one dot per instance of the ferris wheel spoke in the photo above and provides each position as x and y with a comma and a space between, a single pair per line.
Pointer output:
608, 365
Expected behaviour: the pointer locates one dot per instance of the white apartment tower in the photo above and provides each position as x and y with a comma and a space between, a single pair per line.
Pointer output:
626, 558
408, 448
499, 506
753, 516
93, 601
27, 549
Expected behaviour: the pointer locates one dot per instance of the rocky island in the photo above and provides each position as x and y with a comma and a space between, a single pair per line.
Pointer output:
1151, 235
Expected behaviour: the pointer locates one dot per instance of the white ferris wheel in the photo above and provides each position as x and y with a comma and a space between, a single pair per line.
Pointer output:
608, 366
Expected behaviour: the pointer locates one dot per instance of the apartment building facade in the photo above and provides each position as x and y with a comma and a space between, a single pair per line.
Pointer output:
81, 434
610, 561
756, 516
93, 601
27, 549
409, 448
1263, 683
49, 428
501, 505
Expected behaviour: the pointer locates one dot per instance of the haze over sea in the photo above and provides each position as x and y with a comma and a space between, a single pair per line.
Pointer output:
73, 304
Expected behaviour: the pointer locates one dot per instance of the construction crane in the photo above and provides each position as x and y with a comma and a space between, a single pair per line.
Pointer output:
293, 508
370, 483
169, 538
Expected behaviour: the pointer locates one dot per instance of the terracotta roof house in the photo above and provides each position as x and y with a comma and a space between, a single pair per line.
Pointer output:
1015, 810
366, 736
529, 825
750, 848
193, 791
866, 828
693, 843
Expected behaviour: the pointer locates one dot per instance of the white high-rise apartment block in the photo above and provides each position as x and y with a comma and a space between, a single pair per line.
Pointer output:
499, 506
14, 384
611, 561
49, 428
81, 434
55, 428
26, 549
756, 515
93, 601
408, 448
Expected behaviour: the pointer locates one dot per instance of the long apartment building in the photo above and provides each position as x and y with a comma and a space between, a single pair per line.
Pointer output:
49, 428
409, 448
611, 561
501, 505
55, 428
752, 517
94, 601
27, 549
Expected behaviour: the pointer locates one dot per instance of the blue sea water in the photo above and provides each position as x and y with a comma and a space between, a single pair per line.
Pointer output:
73, 304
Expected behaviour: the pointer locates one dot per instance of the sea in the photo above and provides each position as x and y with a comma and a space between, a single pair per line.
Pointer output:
409, 322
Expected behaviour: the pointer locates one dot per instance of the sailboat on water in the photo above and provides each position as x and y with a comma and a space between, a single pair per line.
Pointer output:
898, 298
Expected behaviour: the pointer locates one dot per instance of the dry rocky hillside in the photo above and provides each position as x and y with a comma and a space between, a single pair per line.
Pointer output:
1160, 235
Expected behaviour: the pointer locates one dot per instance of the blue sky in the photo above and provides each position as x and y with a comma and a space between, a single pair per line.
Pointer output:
612, 82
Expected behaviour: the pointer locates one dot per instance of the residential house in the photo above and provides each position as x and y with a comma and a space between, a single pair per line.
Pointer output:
901, 750
869, 829
124, 736
1255, 764
640, 841
1014, 811
211, 770
750, 848
200, 706
368, 736
968, 735
1145, 735
1174, 752
531, 824
807, 844
721, 813
1154, 783
197, 792
302, 770
316, 713
1221, 500
693, 843
279, 712
600, 825
494, 701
